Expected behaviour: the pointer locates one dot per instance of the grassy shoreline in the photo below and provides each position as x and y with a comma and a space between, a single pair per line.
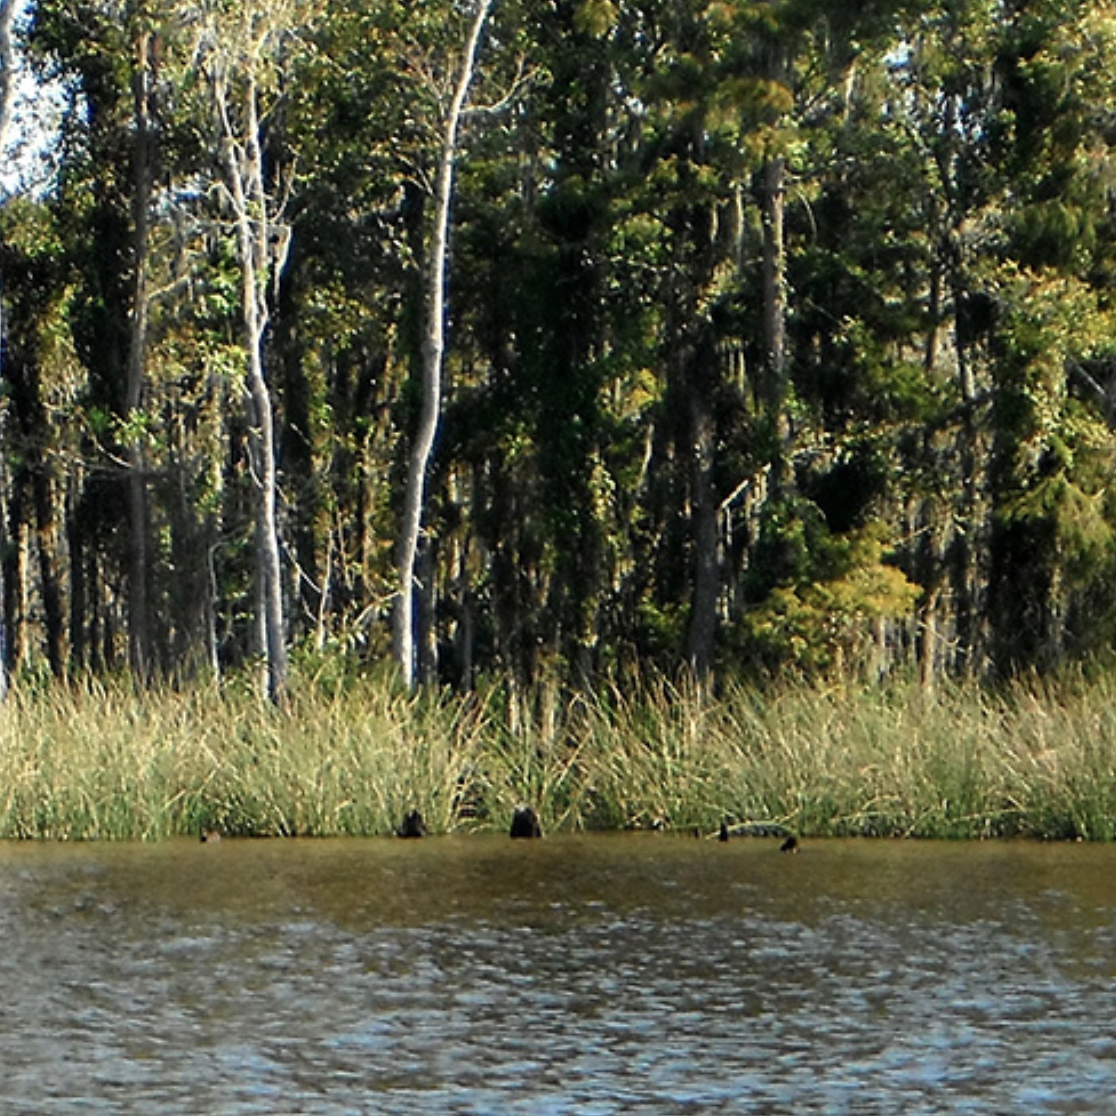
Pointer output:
96, 760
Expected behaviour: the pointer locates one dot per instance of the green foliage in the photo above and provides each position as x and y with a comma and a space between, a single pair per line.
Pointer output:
943, 439
821, 617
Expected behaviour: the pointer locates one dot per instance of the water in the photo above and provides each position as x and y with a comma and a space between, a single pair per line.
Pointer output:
590, 975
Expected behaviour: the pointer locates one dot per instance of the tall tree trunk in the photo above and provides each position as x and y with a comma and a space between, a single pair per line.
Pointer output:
7, 58
253, 217
969, 548
47, 542
433, 350
426, 650
702, 631
139, 613
774, 192
13, 583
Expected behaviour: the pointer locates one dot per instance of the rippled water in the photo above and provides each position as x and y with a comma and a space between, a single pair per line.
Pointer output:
590, 975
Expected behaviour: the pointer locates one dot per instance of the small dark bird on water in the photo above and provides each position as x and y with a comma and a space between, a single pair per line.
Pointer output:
413, 825
525, 823
790, 845
724, 834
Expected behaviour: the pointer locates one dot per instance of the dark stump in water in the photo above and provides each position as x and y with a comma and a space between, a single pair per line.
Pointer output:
413, 825
525, 823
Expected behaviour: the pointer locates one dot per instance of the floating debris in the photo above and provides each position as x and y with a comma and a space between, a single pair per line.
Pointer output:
413, 825
525, 823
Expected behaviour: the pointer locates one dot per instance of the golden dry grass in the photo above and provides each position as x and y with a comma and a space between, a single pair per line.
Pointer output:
93, 759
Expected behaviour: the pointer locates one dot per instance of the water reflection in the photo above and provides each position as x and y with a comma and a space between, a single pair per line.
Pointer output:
595, 975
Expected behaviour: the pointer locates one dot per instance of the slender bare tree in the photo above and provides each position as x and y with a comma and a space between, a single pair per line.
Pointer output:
7, 91
242, 60
7, 63
433, 346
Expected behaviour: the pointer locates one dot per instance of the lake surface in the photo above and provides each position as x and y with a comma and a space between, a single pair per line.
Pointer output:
591, 975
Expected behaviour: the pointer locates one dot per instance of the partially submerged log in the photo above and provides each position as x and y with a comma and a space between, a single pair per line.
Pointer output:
760, 829
412, 826
525, 823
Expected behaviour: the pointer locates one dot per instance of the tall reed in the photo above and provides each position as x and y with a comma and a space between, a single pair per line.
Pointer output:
92, 759
99, 759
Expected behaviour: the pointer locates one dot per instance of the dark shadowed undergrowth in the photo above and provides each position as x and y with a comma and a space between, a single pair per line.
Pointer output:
93, 759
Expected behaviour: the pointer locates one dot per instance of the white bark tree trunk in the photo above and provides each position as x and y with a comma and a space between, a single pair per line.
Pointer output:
253, 217
7, 60
433, 350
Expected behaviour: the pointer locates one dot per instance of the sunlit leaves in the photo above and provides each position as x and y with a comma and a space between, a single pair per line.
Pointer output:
948, 207
827, 623
596, 17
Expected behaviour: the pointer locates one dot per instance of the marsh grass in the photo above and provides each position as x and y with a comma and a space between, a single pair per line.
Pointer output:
93, 759
97, 760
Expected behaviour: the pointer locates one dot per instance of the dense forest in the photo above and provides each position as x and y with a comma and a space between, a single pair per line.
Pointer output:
555, 336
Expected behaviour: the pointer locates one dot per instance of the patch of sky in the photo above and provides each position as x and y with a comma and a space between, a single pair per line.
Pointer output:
31, 125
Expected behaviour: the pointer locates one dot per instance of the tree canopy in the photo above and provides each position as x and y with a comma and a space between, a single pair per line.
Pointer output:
776, 337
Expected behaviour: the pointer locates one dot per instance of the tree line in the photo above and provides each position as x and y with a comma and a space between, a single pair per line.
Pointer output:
725, 335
